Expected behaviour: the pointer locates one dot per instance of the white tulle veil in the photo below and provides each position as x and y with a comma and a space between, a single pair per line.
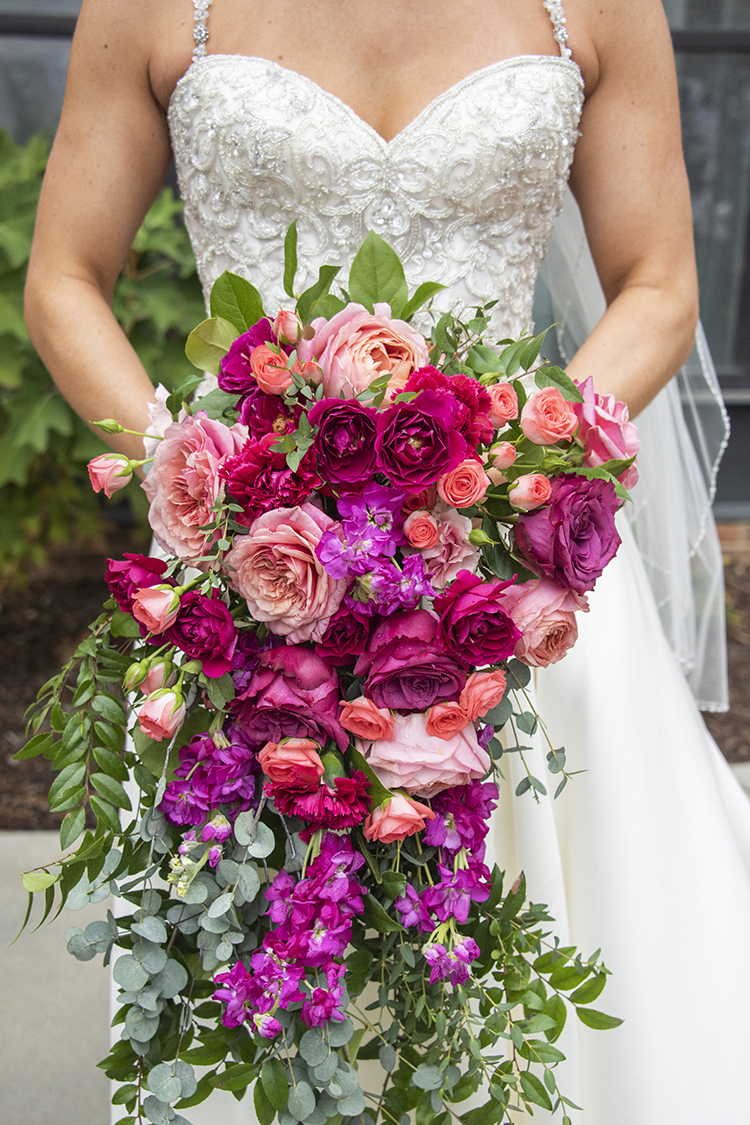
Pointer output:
684, 432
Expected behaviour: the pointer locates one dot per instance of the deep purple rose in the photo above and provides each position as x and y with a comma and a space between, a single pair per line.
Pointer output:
236, 375
406, 668
245, 659
473, 625
574, 537
132, 573
293, 694
345, 442
418, 441
267, 414
346, 636
205, 631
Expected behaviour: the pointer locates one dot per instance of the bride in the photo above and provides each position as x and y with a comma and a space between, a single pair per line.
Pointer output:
451, 129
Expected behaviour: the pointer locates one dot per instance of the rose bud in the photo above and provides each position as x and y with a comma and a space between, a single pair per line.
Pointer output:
465, 485
159, 675
422, 531
287, 327
162, 714
156, 607
293, 761
446, 719
109, 473
504, 407
361, 717
503, 455
530, 491
400, 818
270, 369
135, 676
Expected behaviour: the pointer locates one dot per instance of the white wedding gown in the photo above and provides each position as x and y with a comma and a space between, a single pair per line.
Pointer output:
647, 853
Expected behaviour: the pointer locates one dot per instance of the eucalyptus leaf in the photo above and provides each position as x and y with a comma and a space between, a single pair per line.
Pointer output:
129, 973
264, 842
301, 1102
245, 828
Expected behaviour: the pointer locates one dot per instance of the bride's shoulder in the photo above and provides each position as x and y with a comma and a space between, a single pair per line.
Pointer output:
627, 40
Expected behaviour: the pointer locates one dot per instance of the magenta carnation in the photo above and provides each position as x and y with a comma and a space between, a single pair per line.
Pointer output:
340, 806
258, 478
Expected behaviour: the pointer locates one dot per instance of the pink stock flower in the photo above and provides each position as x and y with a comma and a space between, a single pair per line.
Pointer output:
109, 473
156, 607
547, 418
275, 568
606, 432
184, 483
504, 406
530, 491
400, 818
465, 485
355, 347
483, 691
545, 614
364, 719
162, 714
293, 761
446, 719
421, 763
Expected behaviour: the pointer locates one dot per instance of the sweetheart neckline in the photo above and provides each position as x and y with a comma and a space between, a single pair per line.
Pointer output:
437, 100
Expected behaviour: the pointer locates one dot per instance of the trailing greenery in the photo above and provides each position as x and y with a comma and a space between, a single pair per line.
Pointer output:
45, 496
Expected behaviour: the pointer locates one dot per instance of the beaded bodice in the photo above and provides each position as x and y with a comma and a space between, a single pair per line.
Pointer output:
467, 192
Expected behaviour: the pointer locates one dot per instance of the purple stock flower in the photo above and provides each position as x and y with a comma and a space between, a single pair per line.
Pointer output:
212, 771
453, 895
462, 817
324, 1004
412, 910
371, 529
345, 442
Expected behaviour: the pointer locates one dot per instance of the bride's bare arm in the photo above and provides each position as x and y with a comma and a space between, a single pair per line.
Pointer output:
629, 179
107, 164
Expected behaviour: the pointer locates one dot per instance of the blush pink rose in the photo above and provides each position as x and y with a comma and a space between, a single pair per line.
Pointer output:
453, 552
483, 691
287, 327
397, 820
356, 346
270, 369
276, 570
504, 404
530, 491
421, 763
155, 678
503, 455
184, 482
548, 418
446, 719
606, 432
545, 614
365, 719
156, 607
465, 485
421, 530
109, 473
294, 761
162, 714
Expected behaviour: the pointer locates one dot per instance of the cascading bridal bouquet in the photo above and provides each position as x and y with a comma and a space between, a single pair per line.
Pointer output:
368, 541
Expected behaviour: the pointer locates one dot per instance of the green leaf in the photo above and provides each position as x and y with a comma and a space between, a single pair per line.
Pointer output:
182, 394
555, 377
35, 881
598, 1020
376, 273
376, 917
111, 763
290, 259
72, 827
109, 708
274, 1079
123, 625
424, 292
235, 300
394, 883
531, 350
305, 303
590, 990
534, 1090
264, 1111
67, 780
111, 790
208, 344
106, 812
377, 791
39, 744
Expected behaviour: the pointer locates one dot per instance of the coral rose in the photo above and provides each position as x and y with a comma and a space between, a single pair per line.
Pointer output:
275, 568
465, 485
271, 370
547, 418
483, 691
530, 491
504, 406
397, 820
426, 499
420, 763
293, 761
364, 719
446, 719
422, 531
236, 375
545, 613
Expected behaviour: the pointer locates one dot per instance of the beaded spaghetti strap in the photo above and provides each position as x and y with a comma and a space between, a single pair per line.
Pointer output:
557, 15
200, 31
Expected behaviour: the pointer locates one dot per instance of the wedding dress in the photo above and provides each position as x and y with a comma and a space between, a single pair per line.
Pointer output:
647, 853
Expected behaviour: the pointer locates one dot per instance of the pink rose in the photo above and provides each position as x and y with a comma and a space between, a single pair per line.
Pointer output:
356, 346
287, 327
465, 485
504, 404
446, 719
421, 530
184, 483
400, 818
162, 714
530, 491
365, 719
275, 568
421, 763
548, 418
109, 473
503, 455
294, 761
453, 552
606, 432
155, 678
270, 369
545, 614
156, 607
483, 691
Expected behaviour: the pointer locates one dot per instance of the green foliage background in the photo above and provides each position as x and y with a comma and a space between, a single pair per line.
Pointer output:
45, 495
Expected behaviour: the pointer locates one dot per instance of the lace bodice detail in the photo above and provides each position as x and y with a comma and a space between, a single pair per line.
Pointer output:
467, 193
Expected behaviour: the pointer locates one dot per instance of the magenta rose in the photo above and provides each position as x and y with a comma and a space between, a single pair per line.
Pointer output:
573, 538
184, 483
545, 613
132, 573
474, 401
267, 414
259, 480
277, 571
406, 667
293, 694
606, 432
418, 441
345, 441
205, 631
474, 625
236, 375
346, 636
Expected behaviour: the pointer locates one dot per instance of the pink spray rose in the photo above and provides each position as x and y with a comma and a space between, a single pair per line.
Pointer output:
420, 763
504, 404
545, 613
155, 678
446, 719
465, 485
483, 691
530, 491
271, 370
293, 761
421, 530
453, 551
275, 568
156, 607
109, 473
548, 418
503, 455
363, 718
287, 327
355, 347
162, 714
184, 482
606, 432
400, 818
